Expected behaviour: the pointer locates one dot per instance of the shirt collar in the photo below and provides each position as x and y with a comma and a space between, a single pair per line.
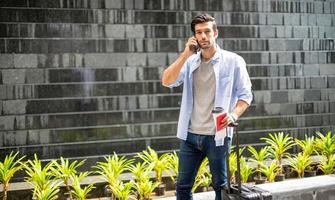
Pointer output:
214, 59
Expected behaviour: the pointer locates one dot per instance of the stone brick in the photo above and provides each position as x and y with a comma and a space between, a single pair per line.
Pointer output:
285, 57
35, 76
311, 70
318, 82
115, 30
114, 4
296, 96
6, 61
267, 32
327, 69
25, 60
13, 76
275, 19
157, 59
291, 19
312, 95
105, 60
14, 107
121, 45
304, 19
136, 59
279, 96
278, 45
300, 32
262, 97
7, 122
134, 31
323, 20
312, 20
280, 32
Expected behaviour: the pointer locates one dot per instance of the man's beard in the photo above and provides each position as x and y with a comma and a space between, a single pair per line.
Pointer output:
206, 46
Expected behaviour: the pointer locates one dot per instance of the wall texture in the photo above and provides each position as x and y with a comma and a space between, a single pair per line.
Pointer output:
81, 78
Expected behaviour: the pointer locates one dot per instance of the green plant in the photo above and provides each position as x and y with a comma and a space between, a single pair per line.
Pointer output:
307, 145
203, 177
173, 164
65, 170
141, 171
279, 143
77, 191
160, 162
233, 163
122, 191
259, 157
41, 178
7, 170
325, 144
327, 164
299, 163
49, 192
270, 171
112, 168
144, 188
246, 171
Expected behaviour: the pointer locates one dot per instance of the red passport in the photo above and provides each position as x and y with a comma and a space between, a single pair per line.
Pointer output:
219, 124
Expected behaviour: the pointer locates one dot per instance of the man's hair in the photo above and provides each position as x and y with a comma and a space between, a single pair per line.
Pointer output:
202, 18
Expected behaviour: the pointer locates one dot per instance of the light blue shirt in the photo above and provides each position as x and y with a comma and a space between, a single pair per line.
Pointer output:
232, 84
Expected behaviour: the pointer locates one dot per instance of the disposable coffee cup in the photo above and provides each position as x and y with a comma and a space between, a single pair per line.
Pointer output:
218, 115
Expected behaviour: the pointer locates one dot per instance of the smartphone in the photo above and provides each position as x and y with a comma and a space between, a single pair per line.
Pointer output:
195, 48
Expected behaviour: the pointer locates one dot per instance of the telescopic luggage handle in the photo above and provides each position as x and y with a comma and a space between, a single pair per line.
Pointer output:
238, 176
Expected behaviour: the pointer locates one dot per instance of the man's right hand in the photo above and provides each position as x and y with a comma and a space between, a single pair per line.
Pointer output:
171, 73
189, 46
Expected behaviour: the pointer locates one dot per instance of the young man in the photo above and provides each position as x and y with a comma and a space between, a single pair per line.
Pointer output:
212, 77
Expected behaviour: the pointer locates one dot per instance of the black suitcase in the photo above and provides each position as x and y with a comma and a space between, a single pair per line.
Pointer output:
239, 191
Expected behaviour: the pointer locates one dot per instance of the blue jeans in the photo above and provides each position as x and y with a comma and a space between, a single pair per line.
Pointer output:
192, 152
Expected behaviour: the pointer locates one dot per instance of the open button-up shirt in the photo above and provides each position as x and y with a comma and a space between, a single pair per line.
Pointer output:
232, 84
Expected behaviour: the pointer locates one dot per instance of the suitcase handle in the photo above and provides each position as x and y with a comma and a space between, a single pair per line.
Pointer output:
238, 176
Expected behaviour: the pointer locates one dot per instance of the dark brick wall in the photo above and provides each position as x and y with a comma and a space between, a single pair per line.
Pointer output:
81, 78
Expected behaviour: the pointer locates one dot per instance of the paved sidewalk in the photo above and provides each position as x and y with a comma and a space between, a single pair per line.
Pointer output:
197, 196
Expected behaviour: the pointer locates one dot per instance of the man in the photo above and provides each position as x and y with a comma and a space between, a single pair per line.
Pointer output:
212, 77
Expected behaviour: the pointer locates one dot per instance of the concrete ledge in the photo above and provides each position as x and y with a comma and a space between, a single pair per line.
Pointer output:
316, 188
312, 188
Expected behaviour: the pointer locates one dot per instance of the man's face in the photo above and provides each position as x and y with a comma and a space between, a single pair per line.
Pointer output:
205, 35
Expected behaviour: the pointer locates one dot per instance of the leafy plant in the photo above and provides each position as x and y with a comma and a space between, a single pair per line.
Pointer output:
327, 164
259, 157
233, 164
270, 171
204, 177
144, 188
279, 143
41, 178
246, 170
122, 191
141, 171
112, 168
325, 144
299, 163
150, 156
77, 191
49, 192
7, 170
173, 164
65, 170
307, 145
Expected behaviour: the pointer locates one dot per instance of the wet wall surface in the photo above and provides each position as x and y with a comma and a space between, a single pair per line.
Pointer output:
82, 78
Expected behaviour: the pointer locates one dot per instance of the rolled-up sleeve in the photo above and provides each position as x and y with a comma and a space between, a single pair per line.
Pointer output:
242, 81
